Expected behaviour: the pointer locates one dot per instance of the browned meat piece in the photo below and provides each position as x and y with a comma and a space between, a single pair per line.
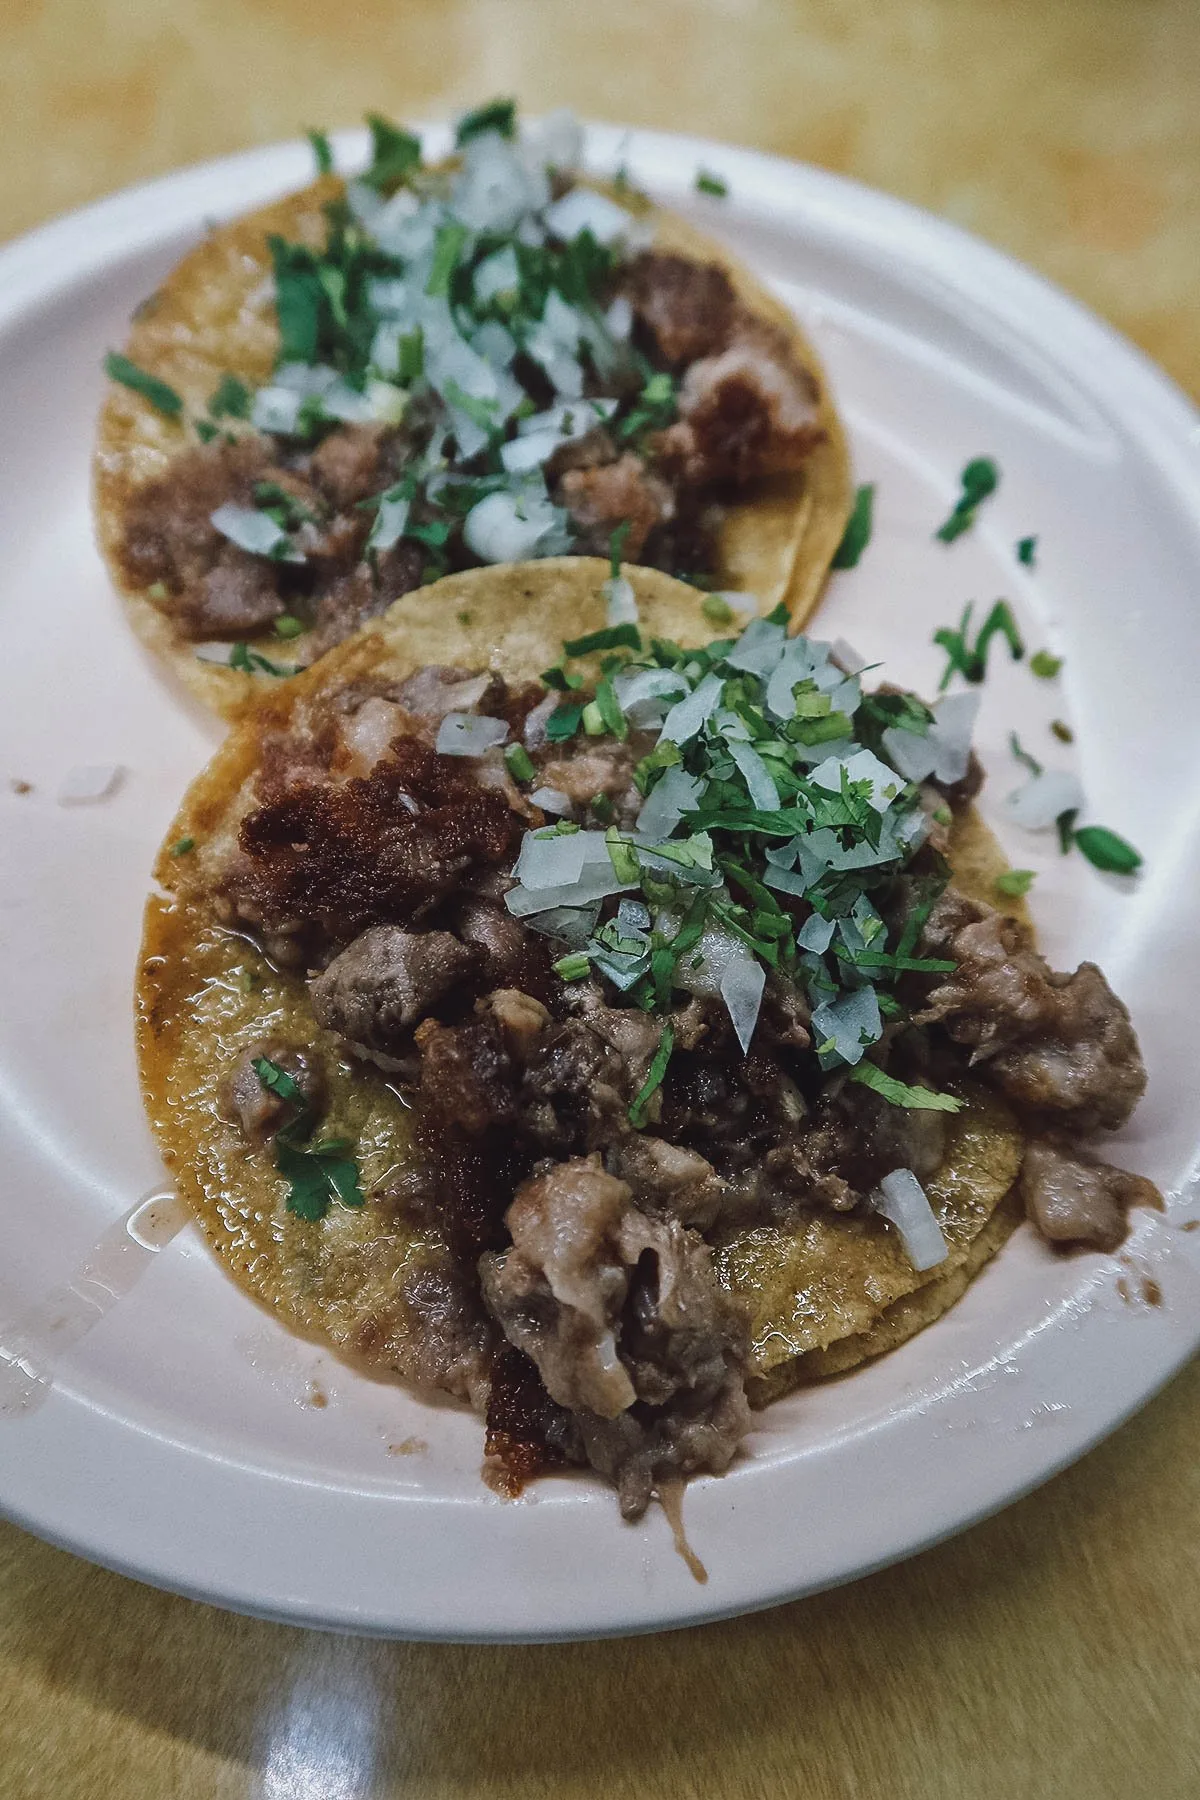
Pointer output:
350, 464
750, 412
579, 1085
385, 982
257, 1108
591, 451
521, 1018
237, 597
527, 1431
168, 534
1059, 1044
380, 848
433, 1328
604, 767
620, 1310
785, 1016
510, 956
467, 1075
619, 493
1074, 1198
364, 593
669, 1181
686, 308
435, 691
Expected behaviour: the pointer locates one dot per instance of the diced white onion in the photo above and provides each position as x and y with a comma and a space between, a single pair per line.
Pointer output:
251, 530
556, 860
88, 782
945, 751
1040, 800
593, 884
701, 971
642, 694
214, 653
672, 795
816, 934
497, 274
851, 1021
496, 186
760, 784
557, 140
521, 454
276, 409
534, 733
742, 983
507, 527
903, 1201
620, 601
469, 734
391, 521
862, 766
687, 716
797, 663
582, 210
759, 648
574, 925
739, 601
570, 419
386, 402
846, 657
619, 318
552, 800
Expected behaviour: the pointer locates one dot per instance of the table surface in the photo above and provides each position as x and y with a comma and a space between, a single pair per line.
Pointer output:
1052, 1651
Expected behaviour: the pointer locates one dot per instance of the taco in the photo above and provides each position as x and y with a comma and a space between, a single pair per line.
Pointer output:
368, 384
610, 1026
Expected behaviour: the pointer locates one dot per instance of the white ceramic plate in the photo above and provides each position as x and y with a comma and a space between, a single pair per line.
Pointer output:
182, 1439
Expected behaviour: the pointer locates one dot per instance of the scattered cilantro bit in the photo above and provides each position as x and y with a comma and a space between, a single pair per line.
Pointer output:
857, 534
1022, 755
317, 1174
708, 183
980, 478
561, 680
610, 637
182, 846
299, 300
616, 548
480, 412
1044, 666
230, 399
394, 153
322, 151
970, 663
252, 661
519, 762
1105, 850
609, 707
161, 396
564, 722
602, 808
287, 625
654, 1079
499, 116
573, 967
654, 408
1027, 552
447, 249
206, 431
899, 1093
278, 1080
1065, 826
1062, 731
1014, 882
716, 610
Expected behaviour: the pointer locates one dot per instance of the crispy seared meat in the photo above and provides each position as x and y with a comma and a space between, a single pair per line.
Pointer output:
683, 309
606, 495
257, 1109
1074, 1198
749, 412
1057, 1044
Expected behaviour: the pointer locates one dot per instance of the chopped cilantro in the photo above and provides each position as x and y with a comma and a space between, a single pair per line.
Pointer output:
230, 399
610, 637
206, 431
278, 1080
394, 153
616, 549
1065, 826
1105, 850
182, 846
299, 300
573, 967
1014, 882
1022, 755
708, 183
593, 720
654, 1079
1062, 731
251, 662
899, 1093
499, 116
654, 408
971, 663
857, 534
161, 396
1044, 666
322, 151
980, 478
564, 722
1027, 552
609, 707
317, 1174
519, 763
447, 248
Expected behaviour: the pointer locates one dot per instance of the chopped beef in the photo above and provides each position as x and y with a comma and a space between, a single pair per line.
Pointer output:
521, 1018
683, 309
383, 983
509, 955
436, 690
1073, 1198
351, 463
669, 1181
363, 593
235, 598
591, 769
432, 1327
257, 1108
618, 493
591, 451
624, 1319
527, 1431
1057, 1044
578, 1087
168, 534
385, 847
750, 412
467, 1075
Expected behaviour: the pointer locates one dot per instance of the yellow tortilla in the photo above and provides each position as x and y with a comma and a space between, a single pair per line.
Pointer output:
818, 1299
214, 314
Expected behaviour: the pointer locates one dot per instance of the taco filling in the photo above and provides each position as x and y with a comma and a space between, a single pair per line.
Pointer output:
713, 1060
480, 362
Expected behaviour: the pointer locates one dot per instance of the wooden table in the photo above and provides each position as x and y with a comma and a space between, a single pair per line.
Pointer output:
1051, 1652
